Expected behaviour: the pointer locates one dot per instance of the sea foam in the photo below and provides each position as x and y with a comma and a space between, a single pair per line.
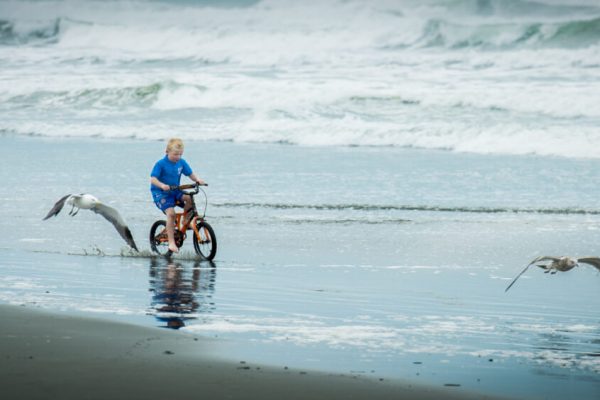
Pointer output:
510, 77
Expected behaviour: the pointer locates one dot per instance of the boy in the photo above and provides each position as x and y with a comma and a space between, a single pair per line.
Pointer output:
167, 172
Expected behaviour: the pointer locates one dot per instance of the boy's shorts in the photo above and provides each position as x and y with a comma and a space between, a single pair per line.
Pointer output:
164, 200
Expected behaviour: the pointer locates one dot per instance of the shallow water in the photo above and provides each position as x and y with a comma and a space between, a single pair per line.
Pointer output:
380, 261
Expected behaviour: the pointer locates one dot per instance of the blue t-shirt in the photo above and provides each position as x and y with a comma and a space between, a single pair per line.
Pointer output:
169, 172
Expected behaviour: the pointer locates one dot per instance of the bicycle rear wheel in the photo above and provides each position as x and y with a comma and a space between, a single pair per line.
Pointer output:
207, 245
159, 242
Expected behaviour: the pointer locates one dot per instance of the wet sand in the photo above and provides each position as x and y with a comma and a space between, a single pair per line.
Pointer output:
48, 355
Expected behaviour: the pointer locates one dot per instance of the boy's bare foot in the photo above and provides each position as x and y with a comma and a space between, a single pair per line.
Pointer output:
173, 248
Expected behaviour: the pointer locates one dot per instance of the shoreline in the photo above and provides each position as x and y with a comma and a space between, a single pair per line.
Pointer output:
53, 355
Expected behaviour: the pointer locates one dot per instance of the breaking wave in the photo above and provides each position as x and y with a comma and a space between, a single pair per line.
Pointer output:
508, 35
143, 96
12, 33
180, 29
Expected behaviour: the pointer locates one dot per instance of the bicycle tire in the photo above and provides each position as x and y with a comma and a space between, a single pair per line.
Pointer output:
207, 248
157, 246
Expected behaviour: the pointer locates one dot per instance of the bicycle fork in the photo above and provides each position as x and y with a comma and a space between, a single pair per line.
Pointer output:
198, 236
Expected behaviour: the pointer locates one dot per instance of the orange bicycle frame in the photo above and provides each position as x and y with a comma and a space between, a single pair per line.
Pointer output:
180, 217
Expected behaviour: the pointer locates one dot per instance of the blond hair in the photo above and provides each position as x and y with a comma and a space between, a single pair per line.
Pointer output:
174, 144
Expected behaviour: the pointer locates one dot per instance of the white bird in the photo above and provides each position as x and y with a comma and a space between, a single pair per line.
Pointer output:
556, 264
89, 202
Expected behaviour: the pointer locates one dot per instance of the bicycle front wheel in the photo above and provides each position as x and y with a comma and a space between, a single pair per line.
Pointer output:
206, 245
159, 241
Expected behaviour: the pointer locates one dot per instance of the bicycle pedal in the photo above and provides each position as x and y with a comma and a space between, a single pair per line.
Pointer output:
161, 236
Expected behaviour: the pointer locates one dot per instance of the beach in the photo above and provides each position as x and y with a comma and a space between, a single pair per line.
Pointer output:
59, 356
378, 173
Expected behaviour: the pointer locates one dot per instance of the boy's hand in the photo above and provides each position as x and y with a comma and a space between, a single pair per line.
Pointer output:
166, 188
200, 182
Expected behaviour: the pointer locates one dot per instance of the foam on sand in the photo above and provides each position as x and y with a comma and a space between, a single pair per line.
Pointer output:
97, 359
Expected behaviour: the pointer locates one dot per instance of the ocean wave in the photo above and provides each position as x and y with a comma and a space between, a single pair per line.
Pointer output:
308, 105
143, 96
184, 29
577, 33
443, 33
315, 73
339, 221
239, 126
520, 8
36, 32
384, 207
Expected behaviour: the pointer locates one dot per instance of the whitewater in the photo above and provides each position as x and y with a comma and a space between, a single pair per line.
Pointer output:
489, 77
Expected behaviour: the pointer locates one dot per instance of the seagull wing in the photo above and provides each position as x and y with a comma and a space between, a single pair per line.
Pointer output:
544, 258
595, 261
57, 207
538, 259
113, 216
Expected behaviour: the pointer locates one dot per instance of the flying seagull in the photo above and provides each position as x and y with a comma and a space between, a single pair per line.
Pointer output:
89, 202
556, 264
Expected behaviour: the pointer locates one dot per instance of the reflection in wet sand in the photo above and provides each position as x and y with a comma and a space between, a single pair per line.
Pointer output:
181, 291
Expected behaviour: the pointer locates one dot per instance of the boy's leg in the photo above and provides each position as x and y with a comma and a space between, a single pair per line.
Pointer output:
187, 205
171, 229
187, 202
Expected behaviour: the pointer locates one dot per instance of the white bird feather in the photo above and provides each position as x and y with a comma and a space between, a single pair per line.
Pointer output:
89, 202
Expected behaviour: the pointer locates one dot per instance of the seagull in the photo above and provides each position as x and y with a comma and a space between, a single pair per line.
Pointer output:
556, 264
89, 202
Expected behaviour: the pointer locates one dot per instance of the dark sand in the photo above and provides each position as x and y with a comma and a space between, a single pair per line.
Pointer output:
53, 356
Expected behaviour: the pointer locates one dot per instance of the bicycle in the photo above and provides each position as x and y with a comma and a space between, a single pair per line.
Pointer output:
203, 238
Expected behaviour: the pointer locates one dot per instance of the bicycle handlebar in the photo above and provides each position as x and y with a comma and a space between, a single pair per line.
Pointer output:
188, 186
195, 186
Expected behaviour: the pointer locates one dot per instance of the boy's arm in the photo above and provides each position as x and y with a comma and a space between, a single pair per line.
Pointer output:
196, 179
158, 184
187, 170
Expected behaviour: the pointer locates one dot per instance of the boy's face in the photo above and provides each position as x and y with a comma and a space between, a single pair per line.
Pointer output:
174, 155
